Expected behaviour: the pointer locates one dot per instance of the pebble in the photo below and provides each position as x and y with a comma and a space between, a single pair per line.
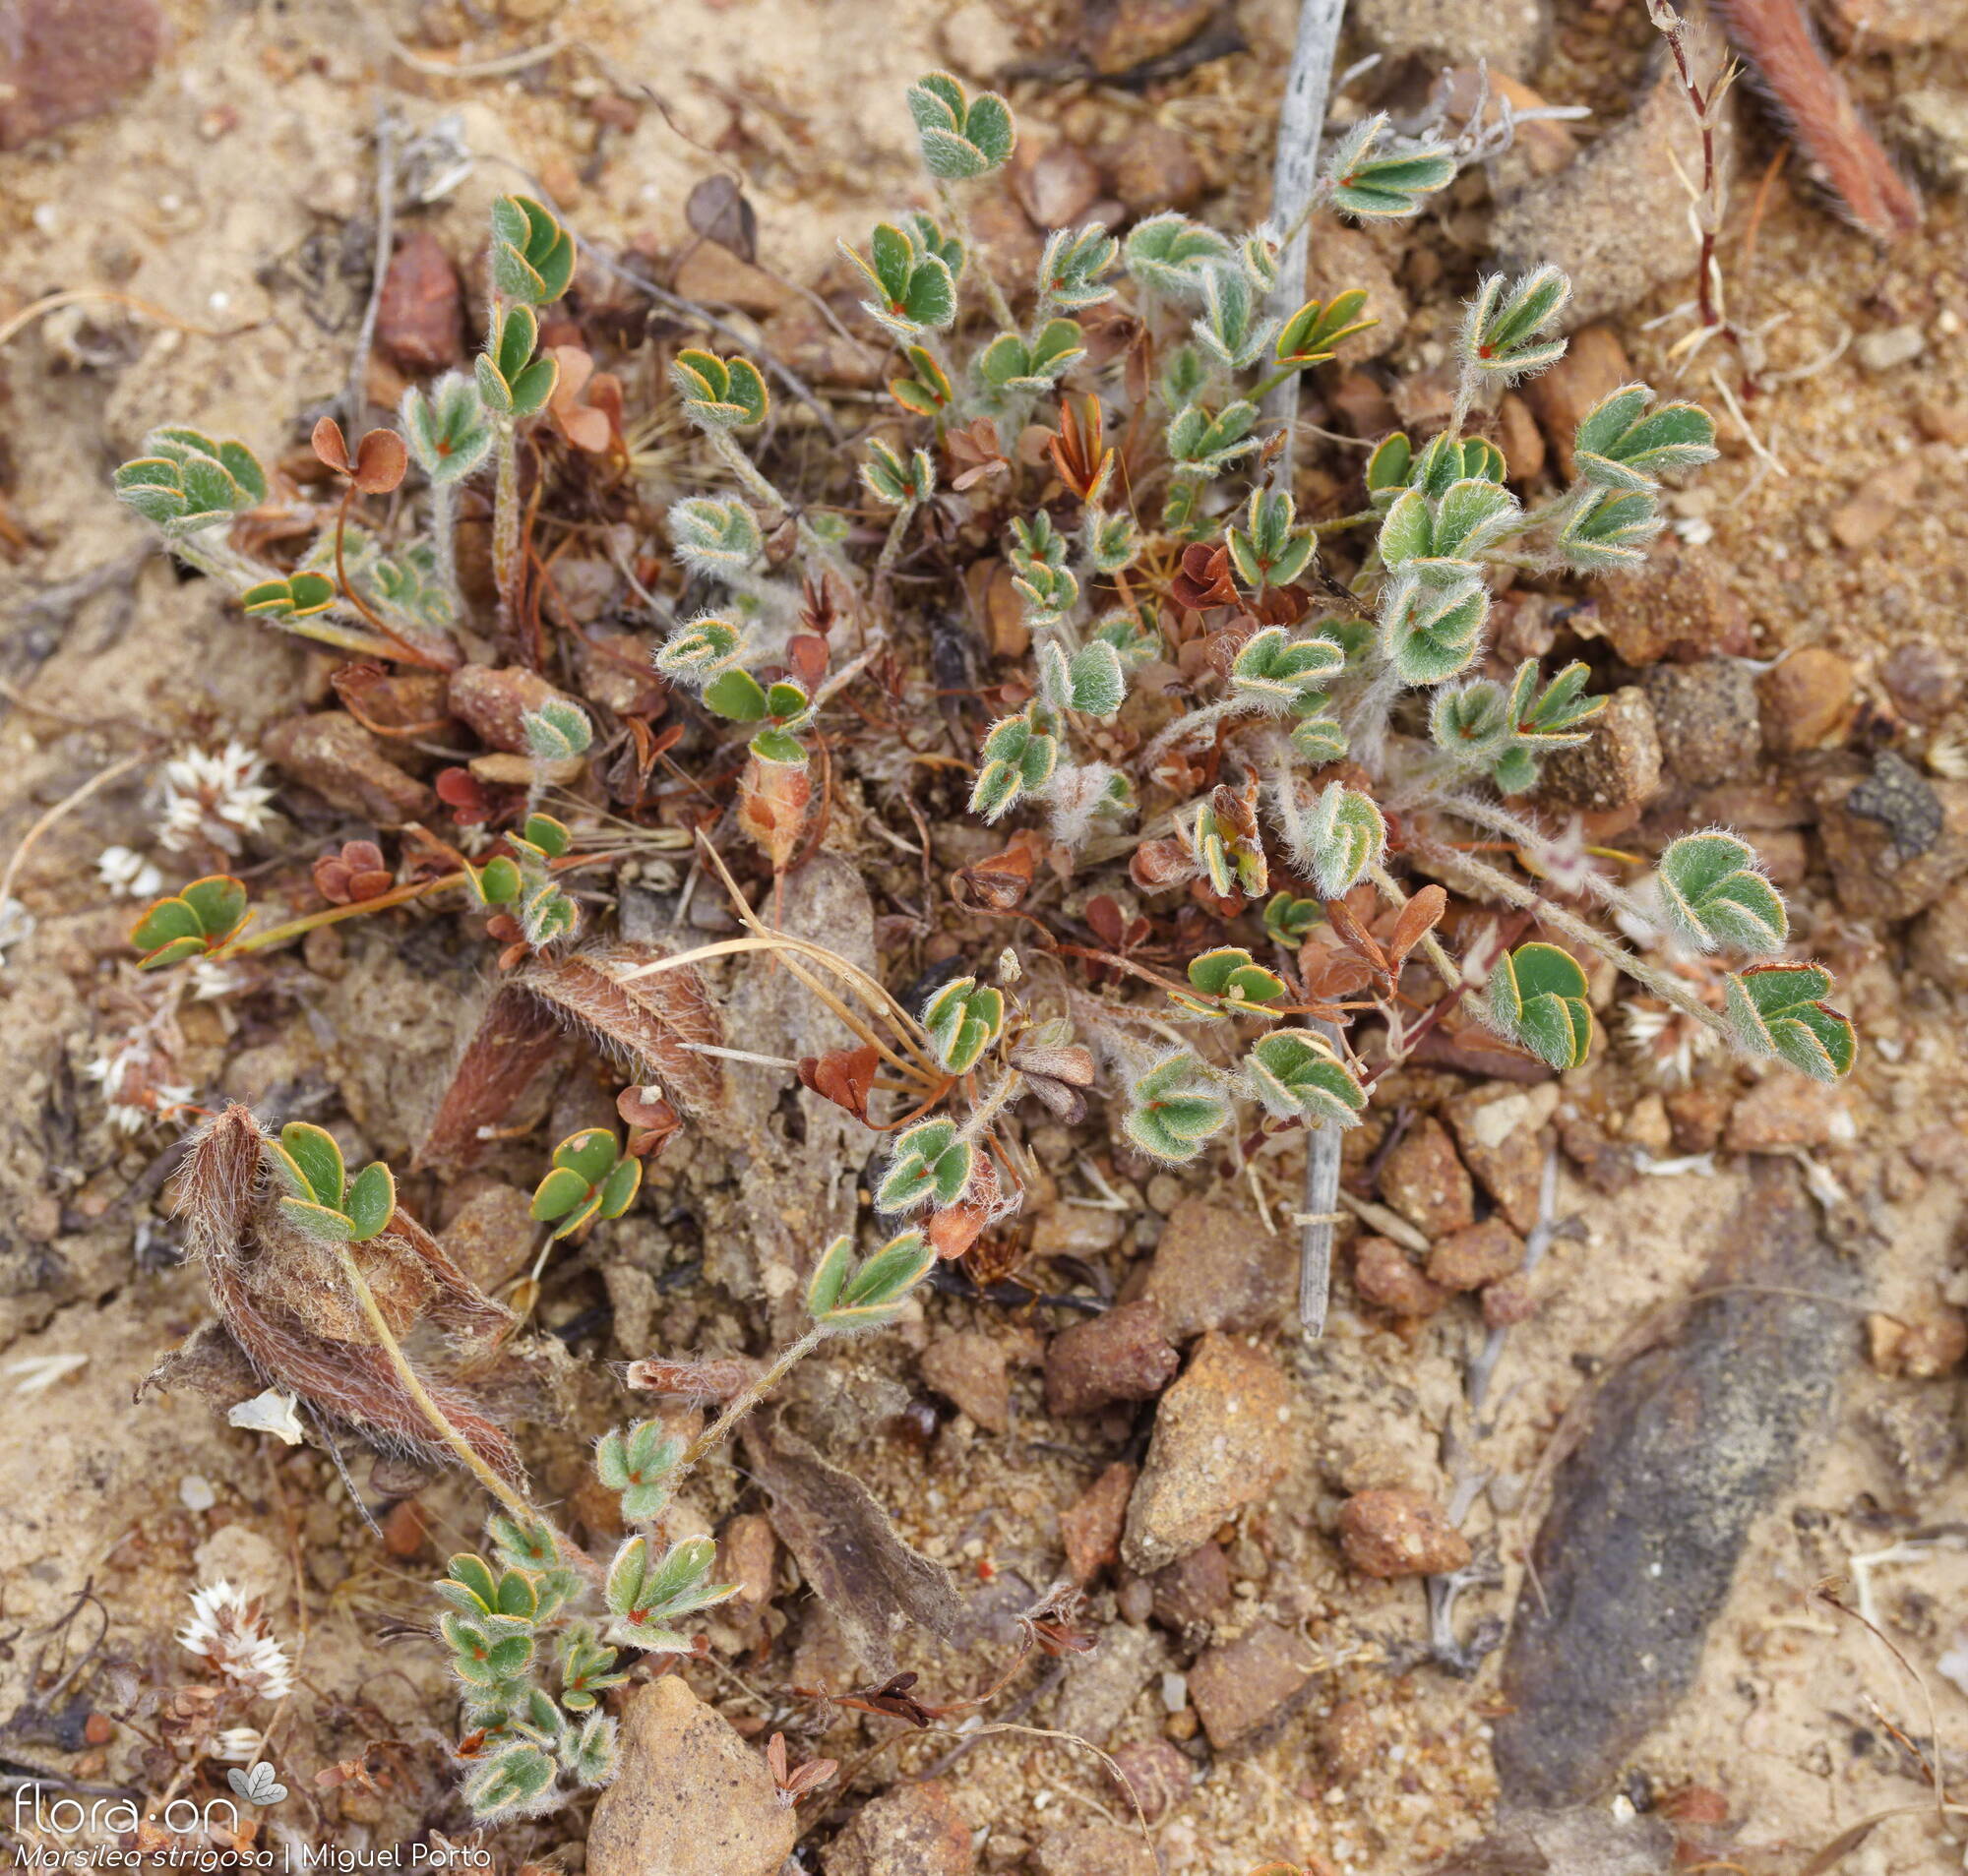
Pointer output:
1915, 1429
1921, 1350
1934, 127
1247, 1689
1593, 367
406, 1528
250, 1561
1785, 1111
1508, 1302
1090, 1526
691, 1798
910, 1829
1348, 1740
1499, 1134
1077, 1231
1924, 681
967, 1368
336, 756
1606, 218
977, 40
64, 60
1123, 1354
1156, 1775
1116, 36
1218, 1268
748, 1552
1510, 34
1807, 700
1395, 1533
1677, 606
1706, 715
492, 701
1219, 1444
1899, 858
1519, 438
1057, 185
1101, 1688
711, 275
1386, 1276
1154, 167
1938, 949
1620, 767
1340, 258
1880, 500
491, 1236
1193, 1591
419, 311
1093, 1848
1424, 1180
1890, 350
1481, 1254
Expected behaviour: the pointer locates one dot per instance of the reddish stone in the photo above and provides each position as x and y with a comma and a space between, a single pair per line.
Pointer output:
1395, 1533
418, 315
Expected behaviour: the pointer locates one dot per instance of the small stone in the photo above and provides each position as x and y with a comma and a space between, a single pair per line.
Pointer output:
492, 702
420, 312
1077, 1231
691, 1798
1481, 1254
1006, 233
1339, 258
64, 60
803, 340
1154, 167
1616, 218
1677, 606
1247, 1689
1942, 422
492, 1236
978, 40
1890, 861
1093, 1848
1706, 715
1347, 1740
1697, 1116
1395, 1533
1922, 1349
1193, 1591
1620, 767
711, 275
1506, 1304
1424, 1180
406, 1528
1123, 1354
1807, 700
1218, 1268
967, 1368
1609, 1164
1939, 946
1890, 350
1916, 1428
248, 1560
1102, 1688
1118, 34
1218, 1446
336, 756
1934, 126
1785, 1111
1593, 367
1498, 1132
1923, 681
747, 1552
1386, 1276
1519, 438
1156, 1775
1511, 36
1057, 186
402, 699
1878, 502
910, 1829
1090, 1526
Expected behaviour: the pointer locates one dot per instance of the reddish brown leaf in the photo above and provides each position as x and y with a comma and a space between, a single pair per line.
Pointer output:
1418, 917
1356, 938
996, 883
330, 445
953, 1228
843, 1077
1205, 578
380, 462
692, 1380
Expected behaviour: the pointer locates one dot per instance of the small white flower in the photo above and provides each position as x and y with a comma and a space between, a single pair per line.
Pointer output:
129, 1076
210, 981
215, 796
126, 871
229, 1631
17, 926
238, 1745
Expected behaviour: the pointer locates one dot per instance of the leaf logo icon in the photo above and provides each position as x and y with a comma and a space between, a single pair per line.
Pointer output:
256, 1787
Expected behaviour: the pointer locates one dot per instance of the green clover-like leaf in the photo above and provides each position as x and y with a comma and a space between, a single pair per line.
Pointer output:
1715, 895
961, 1020
1537, 996
961, 137
1314, 332
1339, 838
532, 255
1293, 1072
1505, 334
1371, 184
1620, 446
1778, 1009
1175, 1107
1231, 974
1167, 254
719, 394
929, 1161
843, 1297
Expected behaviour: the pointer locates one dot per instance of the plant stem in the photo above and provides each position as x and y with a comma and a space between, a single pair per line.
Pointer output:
1657, 981
1191, 723
1323, 1146
506, 523
740, 1405
960, 225
993, 1104
757, 483
444, 543
1294, 180
242, 574
334, 915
